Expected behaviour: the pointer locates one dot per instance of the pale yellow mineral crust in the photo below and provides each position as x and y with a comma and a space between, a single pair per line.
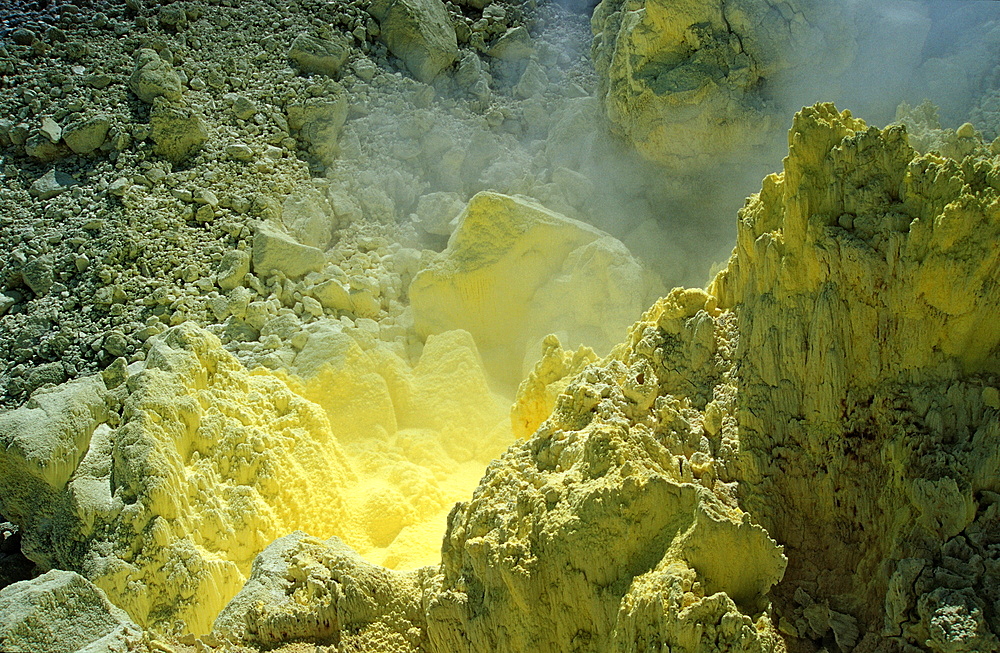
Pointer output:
834, 386
803, 452
513, 272
164, 487
687, 82
864, 281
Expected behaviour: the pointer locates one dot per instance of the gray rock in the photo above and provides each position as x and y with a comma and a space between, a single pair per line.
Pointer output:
318, 56
178, 132
50, 129
420, 33
50, 184
23, 36
276, 251
239, 152
437, 213
173, 16
19, 134
40, 147
153, 77
232, 268
116, 344
319, 122
241, 106
38, 274
6, 301
41, 444
62, 611
533, 81
514, 45
5, 128
85, 136
119, 186
46, 373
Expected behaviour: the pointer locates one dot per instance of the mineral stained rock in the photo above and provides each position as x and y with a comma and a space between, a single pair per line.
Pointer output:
303, 588
513, 271
165, 506
418, 32
685, 81
160, 483
313, 55
153, 77
864, 287
62, 611
834, 391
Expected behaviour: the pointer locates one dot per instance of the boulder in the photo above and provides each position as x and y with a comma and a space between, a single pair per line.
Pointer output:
437, 213
276, 251
686, 82
513, 272
513, 45
318, 56
177, 131
318, 122
39, 146
420, 33
50, 184
306, 589
310, 218
41, 444
235, 264
153, 77
62, 611
86, 135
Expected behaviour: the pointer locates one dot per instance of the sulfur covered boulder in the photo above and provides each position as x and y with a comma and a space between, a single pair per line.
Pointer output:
420, 33
320, 56
514, 271
62, 611
276, 251
686, 82
302, 588
318, 123
153, 77
610, 524
162, 491
177, 131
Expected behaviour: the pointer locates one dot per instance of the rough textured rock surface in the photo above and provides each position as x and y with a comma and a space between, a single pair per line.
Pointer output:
864, 283
171, 387
610, 522
62, 611
418, 32
162, 481
839, 373
304, 588
686, 81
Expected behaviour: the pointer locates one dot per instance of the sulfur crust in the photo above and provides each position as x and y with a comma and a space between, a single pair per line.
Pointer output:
825, 393
210, 463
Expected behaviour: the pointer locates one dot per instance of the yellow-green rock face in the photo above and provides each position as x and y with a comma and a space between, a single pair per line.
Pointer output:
863, 286
689, 82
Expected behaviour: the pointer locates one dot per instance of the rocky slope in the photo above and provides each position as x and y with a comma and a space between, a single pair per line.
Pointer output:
276, 269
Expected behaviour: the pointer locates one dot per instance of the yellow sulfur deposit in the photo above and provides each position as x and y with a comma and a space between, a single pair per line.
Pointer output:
514, 272
804, 452
864, 284
687, 82
166, 506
